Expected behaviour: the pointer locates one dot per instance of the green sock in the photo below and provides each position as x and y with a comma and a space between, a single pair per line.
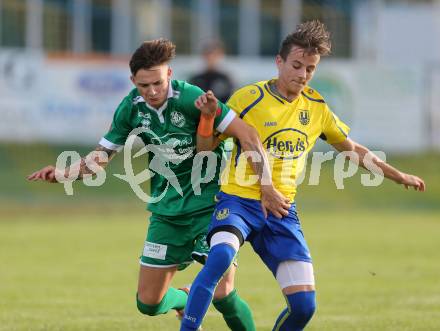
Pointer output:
173, 299
236, 312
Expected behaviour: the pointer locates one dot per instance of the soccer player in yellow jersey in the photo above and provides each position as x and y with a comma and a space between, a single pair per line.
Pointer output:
289, 117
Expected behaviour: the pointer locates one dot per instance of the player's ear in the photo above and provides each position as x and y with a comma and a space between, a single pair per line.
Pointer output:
170, 72
279, 61
132, 79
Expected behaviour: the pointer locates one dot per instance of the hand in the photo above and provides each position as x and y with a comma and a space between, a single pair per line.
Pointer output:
274, 201
46, 174
207, 104
412, 181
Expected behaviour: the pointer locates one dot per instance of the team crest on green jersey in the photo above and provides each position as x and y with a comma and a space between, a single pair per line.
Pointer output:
222, 214
304, 117
177, 119
146, 119
146, 123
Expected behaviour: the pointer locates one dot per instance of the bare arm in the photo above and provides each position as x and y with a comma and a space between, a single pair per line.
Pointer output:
388, 171
48, 173
207, 104
94, 155
272, 200
207, 144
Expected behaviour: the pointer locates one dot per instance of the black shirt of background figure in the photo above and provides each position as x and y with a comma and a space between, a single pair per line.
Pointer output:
216, 81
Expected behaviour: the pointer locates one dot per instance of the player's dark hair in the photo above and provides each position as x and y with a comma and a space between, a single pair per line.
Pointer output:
312, 36
152, 53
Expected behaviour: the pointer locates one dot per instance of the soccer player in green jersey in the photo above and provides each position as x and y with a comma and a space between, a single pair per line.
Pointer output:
169, 114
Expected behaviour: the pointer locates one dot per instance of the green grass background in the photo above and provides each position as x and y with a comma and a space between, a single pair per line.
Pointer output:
71, 262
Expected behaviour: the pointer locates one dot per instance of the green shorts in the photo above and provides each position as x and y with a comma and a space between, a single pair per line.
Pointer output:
177, 240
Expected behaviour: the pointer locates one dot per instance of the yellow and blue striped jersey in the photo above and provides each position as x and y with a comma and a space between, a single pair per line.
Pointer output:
288, 131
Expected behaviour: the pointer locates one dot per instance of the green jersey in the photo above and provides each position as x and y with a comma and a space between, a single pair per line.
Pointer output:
173, 129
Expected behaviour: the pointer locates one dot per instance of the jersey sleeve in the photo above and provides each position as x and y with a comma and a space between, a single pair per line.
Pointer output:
333, 129
245, 99
120, 128
223, 119
240, 102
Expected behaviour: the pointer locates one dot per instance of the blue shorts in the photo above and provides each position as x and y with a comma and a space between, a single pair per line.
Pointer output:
274, 240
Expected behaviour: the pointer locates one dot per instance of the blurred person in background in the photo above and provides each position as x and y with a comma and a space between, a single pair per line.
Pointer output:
169, 111
289, 117
212, 77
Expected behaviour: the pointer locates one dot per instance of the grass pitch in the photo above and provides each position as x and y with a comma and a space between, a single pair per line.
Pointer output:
374, 271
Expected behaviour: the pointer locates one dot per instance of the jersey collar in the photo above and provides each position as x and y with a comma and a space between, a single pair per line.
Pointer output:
272, 90
171, 94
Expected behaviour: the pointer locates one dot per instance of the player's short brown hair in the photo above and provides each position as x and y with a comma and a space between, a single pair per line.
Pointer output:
152, 53
312, 36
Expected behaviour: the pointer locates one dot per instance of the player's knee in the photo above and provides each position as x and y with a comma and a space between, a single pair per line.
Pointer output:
220, 258
302, 305
147, 310
148, 307
223, 290
149, 297
305, 312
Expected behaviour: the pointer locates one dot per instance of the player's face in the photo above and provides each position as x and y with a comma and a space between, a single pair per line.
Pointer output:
152, 84
296, 71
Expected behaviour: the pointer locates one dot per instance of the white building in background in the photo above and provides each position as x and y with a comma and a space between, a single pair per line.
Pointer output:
383, 77
375, 30
404, 35
117, 26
